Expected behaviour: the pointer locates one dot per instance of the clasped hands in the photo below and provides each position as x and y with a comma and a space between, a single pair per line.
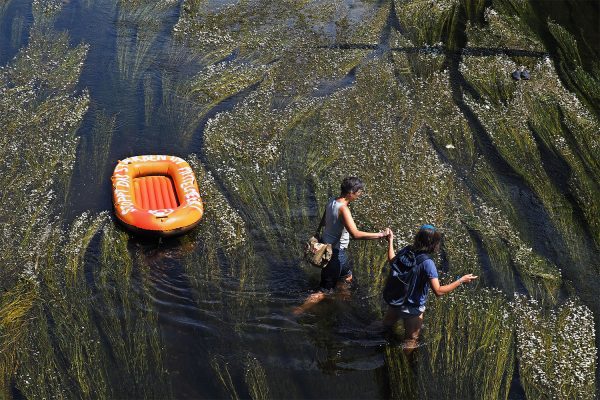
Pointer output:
387, 233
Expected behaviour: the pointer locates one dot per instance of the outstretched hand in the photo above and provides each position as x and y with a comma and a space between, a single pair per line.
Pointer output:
468, 278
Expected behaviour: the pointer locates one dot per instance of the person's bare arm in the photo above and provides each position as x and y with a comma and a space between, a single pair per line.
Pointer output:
442, 290
390, 253
354, 231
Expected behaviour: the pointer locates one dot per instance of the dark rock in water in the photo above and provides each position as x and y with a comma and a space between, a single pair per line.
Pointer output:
525, 75
516, 75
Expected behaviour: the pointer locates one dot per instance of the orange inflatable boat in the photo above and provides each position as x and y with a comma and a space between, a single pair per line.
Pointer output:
156, 195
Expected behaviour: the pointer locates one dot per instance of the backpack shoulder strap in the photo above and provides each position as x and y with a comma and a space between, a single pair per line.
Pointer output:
422, 257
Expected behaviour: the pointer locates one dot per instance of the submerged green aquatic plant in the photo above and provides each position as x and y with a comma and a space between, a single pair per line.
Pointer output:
571, 65
94, 154
556, 350
46, 11
70, 350
288, 98
467, 351
40, 114
256, 379
54, 343
287, 139
138, 27
425, 22
221, 370
502, 31
528, 129
188, 103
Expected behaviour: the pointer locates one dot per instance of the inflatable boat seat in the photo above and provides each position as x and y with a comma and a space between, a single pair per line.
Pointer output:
155, 192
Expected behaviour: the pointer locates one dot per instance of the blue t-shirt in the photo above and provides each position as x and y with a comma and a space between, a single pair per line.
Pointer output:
418, 296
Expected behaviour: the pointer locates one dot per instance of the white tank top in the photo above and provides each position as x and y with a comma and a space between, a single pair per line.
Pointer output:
334, 231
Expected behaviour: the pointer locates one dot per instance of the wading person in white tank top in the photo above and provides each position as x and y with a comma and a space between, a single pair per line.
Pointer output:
339, 226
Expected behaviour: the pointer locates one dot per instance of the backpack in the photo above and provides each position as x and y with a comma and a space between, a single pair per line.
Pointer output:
404, 273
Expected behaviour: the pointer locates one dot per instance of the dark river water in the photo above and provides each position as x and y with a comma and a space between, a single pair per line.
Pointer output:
327, 354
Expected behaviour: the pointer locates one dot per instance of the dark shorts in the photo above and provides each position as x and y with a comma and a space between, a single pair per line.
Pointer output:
338, 268
403, 312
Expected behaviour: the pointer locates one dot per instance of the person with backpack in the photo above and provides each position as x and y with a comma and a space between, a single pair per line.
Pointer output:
412, 274
338, 227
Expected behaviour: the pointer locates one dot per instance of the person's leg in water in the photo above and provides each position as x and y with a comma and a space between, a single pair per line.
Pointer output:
412, 327
412, 330
329, 277
344, 281
342, 288
389, 319
310, 302
385, 327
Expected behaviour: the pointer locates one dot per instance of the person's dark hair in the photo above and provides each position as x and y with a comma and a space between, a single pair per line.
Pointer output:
351, 184
427, 240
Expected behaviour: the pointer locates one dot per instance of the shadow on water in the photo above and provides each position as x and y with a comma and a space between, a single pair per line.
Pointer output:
186, 329
581, 18
15, 22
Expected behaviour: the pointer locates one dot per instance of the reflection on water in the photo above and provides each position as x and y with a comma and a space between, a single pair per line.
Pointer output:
274, 102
